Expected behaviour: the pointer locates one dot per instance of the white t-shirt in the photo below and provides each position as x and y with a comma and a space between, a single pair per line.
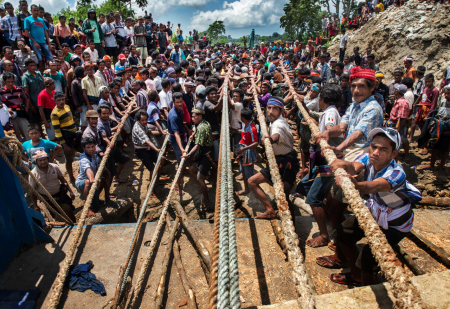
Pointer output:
163, 100
4, 115
130, 34
331, 117
343, 40
235, 116
313, 105
409, 96
285, 143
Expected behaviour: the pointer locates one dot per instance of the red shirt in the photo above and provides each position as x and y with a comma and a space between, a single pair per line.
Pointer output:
249, 134
400, 109
186, 114
263, 50
46, 100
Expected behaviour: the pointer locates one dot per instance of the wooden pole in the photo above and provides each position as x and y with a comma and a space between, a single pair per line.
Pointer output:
434, 251
408, 260
201, 248
162, 282
435, 201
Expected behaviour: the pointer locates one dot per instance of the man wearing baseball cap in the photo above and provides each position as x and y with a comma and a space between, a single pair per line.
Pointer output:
389, 200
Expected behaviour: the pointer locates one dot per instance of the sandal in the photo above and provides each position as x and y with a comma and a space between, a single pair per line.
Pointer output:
344, 278
327, 262
332, 246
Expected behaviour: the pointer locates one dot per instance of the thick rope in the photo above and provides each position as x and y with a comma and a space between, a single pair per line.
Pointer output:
213, 281
15, 152
61, 278
299, 271
137, 229
403, 290
162, 218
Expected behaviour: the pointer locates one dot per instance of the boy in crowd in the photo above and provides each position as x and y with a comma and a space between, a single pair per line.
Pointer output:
246, 149
65, 130
36, 143
89, 164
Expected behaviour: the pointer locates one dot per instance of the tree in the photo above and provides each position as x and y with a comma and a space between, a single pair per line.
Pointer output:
347, 5
301, 17
118, 3
276, 35
215, 29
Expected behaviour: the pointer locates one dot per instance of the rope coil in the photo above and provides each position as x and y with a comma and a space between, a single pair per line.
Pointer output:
295, 257
404, 291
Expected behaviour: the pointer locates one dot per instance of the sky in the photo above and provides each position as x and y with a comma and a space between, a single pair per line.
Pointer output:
239, 17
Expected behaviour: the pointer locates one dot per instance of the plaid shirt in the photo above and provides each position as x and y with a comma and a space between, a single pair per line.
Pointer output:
363, 117
142, 99
400, 109
140, 135
21, 20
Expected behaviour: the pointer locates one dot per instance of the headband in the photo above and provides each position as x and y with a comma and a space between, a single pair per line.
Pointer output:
357, 72
276, 102
408, 59
315, 87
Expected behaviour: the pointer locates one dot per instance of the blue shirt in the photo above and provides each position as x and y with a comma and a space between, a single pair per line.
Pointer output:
37, 28
402, 193
325, 67
44, 144
87, 162
176, 57
363, 117
175, 121
153, 112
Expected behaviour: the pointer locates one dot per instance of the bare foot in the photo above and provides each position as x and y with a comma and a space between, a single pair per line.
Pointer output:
426, 167
317, 242
267, 215
90, 213
242, 192
302, 173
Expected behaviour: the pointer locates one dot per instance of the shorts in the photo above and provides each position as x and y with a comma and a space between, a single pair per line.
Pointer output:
118, 156
203, 165
148, 157
443, 144
144, 53
216, 149
247, 170
95, 205
315, 189
112, 51
349, 233
50, 132
21, 125
288, 165
83, 121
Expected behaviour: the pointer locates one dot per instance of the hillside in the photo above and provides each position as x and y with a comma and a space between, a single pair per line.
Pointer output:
416, 29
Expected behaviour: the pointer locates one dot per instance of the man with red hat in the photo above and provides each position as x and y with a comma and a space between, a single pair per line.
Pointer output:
360, 118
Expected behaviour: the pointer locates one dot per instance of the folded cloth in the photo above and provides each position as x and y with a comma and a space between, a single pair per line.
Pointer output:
81, 279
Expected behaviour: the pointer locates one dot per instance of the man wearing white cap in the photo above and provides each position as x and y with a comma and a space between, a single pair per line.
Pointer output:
410, 70
390, 197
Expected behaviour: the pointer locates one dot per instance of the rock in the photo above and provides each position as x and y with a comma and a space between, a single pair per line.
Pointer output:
430, 189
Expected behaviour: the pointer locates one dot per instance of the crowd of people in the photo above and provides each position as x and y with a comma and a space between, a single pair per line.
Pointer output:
59, 94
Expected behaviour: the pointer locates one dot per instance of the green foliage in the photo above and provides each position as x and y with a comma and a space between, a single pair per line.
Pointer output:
276, 35
223, 40
301, 18
174, 39
105, 8
215, 30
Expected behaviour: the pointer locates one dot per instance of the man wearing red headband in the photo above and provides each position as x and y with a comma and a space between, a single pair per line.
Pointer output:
360, 118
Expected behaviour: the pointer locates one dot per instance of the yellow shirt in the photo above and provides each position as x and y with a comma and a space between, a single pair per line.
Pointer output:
90, 87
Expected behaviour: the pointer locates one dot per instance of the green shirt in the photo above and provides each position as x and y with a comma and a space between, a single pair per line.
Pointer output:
189, 40
203, 135
67, 58
35, 84
95, 34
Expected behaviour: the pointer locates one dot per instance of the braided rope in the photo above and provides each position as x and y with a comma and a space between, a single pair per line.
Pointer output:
299, 271
15, 152
61, 278
213, 281
137, 229
136, 291
404, 291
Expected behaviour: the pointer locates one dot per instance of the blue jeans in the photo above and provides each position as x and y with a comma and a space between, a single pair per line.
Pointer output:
247, 170
314, 189
95, 205
44, 49
177, 149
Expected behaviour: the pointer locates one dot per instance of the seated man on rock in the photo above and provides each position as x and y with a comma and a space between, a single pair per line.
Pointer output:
389, 201
282, 140
51, 177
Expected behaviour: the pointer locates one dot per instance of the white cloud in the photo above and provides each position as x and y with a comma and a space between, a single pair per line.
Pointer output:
162, 7
242, 13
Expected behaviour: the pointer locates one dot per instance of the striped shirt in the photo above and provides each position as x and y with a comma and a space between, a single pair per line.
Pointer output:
395, 202
62, 120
